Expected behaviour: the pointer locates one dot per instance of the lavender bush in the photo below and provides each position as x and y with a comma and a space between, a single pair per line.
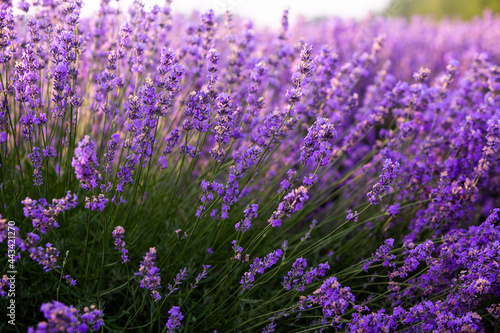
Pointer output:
175, 174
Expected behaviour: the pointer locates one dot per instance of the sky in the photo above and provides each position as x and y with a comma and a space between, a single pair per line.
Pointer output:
265, 12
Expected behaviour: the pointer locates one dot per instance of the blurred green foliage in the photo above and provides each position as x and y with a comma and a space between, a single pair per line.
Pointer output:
441, 8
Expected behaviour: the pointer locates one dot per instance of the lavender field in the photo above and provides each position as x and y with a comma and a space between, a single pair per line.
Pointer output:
170, 173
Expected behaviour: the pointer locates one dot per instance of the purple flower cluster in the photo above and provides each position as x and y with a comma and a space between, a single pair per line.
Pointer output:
109, 156
171, 141
43, 215
70, 280
388, 175
382, 253
316, 146
125, 173
150, 274
224, 125
250, 213
331, 296
46, 256
36, 161
259, 266
297, 279
209, 188
96, 203
292, 203
4, 286
62, 318
85, 164
247, 159
174, 322
463, 269
200, 276
181, 276
118, 235
299, 78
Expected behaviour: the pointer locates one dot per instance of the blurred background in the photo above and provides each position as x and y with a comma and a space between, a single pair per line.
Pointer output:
265, 12
465, 9
268, 12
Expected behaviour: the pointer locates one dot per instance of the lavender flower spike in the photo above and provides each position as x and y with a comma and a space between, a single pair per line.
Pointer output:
150, 274
85, 164
258, 266
36, 162
174, 322
118, 234
62, 318
316, 144
291, 203
389, 174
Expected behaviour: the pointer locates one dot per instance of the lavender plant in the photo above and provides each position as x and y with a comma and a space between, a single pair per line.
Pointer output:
335, 175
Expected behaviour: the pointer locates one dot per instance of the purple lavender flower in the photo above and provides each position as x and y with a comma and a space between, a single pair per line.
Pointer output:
189, 150
174, 322
197, 111
297, 279
43, 215
382, 253
223, 126
109, 156
213, 58
306, 66
413, 257
312, 275
237, 250
171, 140
422, 75
493, 309
118, 235
489, 150
70, 280
45, 256
200, 276
49, 152
125, 172
393, 210
250, 213
85, 164
246, 161
150, 274
181, 276
62, 318
269, 328
388, 175
259, 266
36, 161
310, 180
293, 276
209, 188
255, 103
333, 298
4, 286
230, 196
96, 203
375, 321
292, 203
316, 144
